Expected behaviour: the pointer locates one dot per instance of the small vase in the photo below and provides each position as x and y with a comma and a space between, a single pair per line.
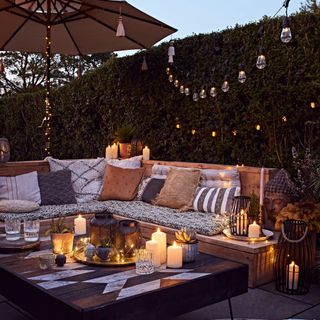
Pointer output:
189, 251
89, 251
62, 242
103, 252
125, 150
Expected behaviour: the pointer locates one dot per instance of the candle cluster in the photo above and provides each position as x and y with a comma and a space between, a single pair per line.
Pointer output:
112, 151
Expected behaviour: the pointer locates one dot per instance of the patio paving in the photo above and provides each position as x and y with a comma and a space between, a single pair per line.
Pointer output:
260, 303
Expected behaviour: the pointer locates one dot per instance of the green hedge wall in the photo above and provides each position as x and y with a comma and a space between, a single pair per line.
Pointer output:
87, 111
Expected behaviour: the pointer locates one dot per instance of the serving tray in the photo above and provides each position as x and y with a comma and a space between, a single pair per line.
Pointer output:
17, 245
267, 234
79, 256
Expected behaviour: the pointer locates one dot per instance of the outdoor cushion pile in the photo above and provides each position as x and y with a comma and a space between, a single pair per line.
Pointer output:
171, 196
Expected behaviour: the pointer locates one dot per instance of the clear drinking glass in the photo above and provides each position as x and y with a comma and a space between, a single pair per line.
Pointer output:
31, 230
12, 228
144, 264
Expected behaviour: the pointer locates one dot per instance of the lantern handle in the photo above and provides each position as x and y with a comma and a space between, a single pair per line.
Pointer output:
293, 241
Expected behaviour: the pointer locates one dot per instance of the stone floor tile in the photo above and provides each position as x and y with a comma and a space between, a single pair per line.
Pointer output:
313, 313
313, 297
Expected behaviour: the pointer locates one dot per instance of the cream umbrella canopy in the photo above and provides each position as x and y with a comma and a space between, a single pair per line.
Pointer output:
75, 27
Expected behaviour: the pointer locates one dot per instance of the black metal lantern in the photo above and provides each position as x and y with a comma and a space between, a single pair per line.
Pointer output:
293, 262
239, 220
4, 150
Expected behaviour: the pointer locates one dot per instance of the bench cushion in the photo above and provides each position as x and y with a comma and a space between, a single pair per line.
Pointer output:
202, 223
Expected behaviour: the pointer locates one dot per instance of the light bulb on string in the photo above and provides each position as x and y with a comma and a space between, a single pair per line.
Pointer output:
203, 94
181, 89
242, 74
286, 35
214, 134
261, 60
193, 132
258, 127
187, 91
168, 70
170, 78
195, 97
225, 85
176, 83
213, 91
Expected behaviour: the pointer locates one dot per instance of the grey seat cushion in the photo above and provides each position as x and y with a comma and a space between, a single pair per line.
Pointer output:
202, 223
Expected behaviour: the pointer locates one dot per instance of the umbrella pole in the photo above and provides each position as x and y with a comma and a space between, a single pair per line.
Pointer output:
48, 114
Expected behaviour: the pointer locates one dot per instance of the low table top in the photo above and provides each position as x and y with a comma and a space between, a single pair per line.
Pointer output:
77, 291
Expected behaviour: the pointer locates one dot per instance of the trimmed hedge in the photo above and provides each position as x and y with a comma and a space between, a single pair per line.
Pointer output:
87, 111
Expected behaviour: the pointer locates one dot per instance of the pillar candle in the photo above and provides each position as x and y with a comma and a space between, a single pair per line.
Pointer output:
161, 237
292, 276
114, 151
242, 222
146, 153
153, 247
261, 186
108, 152
174, 258
80, 225
254, 230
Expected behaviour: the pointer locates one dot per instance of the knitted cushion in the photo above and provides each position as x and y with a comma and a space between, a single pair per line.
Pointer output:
280, 183
86, 175
18, 206
56, 188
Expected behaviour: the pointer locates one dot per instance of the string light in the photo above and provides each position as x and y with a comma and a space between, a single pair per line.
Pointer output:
225, 85
213, 134
203, 94
261, 60
178, 126
213, 91
170, 78
187, 91
176, 83
284, 119
181, 89
242, 74
234, 132
286, 34
195, 97
312, 105
258, 127
193, 131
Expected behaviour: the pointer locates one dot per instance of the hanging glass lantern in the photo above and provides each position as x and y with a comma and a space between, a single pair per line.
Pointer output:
195, 97
225, 85
286, 35
261, 61
4, 150
176, 83
187, 91
181, 89
213, 91
242, 74
239, 220
171, 52
293, 261
144, 65
203, 94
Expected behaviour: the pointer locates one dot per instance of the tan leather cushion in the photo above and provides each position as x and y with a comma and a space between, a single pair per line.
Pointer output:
179, 189
120, 183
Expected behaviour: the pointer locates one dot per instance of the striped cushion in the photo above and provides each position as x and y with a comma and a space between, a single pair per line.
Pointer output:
214, 200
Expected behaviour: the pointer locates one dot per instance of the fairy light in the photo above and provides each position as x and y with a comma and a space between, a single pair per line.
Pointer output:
178, 126
258, 127
193, 131
214, 134
312, 105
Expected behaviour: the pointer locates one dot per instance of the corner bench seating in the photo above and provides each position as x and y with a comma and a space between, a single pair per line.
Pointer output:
258, 256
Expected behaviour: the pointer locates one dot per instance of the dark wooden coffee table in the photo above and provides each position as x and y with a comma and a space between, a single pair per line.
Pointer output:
78, 291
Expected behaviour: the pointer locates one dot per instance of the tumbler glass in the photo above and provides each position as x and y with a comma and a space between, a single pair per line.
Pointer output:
31, 230
144, 264
12, 228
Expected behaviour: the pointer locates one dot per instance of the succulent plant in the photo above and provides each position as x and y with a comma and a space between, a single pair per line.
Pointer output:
58, 226
105, 243
186, 236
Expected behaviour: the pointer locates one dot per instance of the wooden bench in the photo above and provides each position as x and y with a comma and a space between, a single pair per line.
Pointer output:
258, 256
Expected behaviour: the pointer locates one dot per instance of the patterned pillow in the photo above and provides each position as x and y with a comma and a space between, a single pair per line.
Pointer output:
133, 162
142, 186
214, 200
120, 183
56, 188
21, 187
86, 176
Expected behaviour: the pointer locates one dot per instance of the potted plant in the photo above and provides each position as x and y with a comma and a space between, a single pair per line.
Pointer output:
124, 136
103, 251
61, 236
187, 239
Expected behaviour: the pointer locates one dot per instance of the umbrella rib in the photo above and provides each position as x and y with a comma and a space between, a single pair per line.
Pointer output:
16, 31
29, 14
68, 31
93, 6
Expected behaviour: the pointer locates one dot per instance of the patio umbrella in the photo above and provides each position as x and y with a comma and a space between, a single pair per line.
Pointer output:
75, 27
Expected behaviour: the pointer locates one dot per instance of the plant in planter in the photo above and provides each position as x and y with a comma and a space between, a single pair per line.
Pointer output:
187, 239
61, 236
124, 136
103, 251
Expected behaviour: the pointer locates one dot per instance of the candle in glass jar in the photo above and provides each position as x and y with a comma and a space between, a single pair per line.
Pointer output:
254, 230
153, 247
161, 237
174, 257
292, 276
80, 225
146, 153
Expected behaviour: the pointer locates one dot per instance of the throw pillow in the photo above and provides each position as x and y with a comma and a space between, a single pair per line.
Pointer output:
86, 176
16, 206
56, 188
21, 187
120, 183
142, 186
133, 162
152, 190
214, 200
179, 189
